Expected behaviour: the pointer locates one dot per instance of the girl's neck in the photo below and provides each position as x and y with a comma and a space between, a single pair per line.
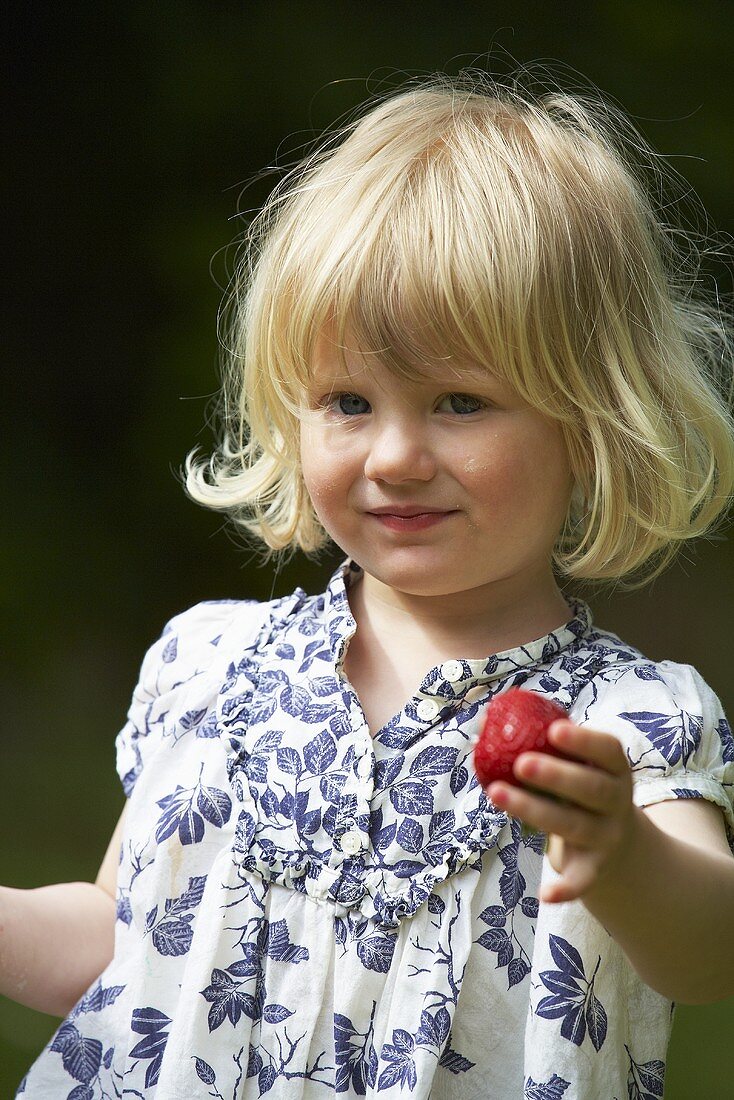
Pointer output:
472, 624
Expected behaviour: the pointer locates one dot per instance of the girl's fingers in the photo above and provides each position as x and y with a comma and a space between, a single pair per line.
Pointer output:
589, 787
576, 825
572, 884
592, 746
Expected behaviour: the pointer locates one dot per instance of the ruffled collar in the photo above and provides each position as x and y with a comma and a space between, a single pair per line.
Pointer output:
454, 678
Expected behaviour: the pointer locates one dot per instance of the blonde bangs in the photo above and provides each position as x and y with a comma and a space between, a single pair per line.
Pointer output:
466, 224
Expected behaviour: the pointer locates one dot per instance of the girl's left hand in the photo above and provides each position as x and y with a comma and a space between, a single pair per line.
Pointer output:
596, 820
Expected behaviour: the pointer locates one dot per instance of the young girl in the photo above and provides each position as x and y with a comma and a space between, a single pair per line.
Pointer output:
465, 348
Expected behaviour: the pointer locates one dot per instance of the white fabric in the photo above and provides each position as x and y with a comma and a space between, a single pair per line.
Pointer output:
307, 909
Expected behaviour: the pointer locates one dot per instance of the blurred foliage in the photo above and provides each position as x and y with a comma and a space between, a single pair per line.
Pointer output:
141, 131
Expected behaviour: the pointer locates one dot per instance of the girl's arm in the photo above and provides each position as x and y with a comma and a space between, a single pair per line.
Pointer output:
661, 881
55, 940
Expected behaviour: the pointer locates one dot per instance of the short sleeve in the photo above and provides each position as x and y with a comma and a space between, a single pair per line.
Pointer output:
678, 741
174, 665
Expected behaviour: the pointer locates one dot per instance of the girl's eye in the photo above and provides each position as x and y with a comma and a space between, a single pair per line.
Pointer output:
351, 404
461, 403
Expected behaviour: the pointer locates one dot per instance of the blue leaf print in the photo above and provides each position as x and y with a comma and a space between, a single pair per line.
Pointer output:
254, 1062
529, 906
399, 1054
727, 740
412, 797
308, 654
434, 1030
673, 736
494, 915
97, 998
266, 1079
406, 868
566, 956
262, 709
387, 771
227, 999
647, 672
434, 760
173, 937
81, 1057
81, 1092
459, 779
384, 837
552, 1089
191, 896
323, 686
453, 1062
645, 1080
572, 996
516, 971
310, 823
249, 965
596, 1021
287, 806
331, 786
170, 650
150, 1023
573, 1027
275, 1013
496, 939
375, 952
410, 835
563, 984
215, 805
279, 946
208, 728
268, 742
442, 822
441, 835
319, 754
294, 700
191, 827
512, 882
178, 814
204, 1071
289, 761
356, 1061
270, 802
192, 718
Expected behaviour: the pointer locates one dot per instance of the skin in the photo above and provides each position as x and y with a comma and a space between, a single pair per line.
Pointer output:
481, 581
482, 577
478, 582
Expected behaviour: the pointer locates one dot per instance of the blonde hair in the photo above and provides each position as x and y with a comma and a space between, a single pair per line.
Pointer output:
462, 218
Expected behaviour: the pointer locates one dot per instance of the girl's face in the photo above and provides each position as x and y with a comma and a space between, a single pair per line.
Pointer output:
438, 486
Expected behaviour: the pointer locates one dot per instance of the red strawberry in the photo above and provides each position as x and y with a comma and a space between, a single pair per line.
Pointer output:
516, 721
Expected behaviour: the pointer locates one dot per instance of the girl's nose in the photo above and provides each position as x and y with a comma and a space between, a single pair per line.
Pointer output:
400, 452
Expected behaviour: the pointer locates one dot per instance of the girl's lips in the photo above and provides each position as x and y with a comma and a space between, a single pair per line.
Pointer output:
418, 522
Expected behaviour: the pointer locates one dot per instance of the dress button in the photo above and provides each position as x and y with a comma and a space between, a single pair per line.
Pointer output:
427, 710
353, 842
452, 671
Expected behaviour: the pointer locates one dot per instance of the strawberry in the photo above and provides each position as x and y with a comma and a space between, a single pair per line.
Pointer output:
515, 721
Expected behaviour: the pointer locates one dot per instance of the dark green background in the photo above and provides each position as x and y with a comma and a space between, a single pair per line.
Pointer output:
133, 133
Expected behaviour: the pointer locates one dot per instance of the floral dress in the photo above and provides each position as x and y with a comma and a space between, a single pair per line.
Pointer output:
307, 909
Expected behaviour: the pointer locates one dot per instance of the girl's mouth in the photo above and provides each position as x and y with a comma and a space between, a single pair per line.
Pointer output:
417, 521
